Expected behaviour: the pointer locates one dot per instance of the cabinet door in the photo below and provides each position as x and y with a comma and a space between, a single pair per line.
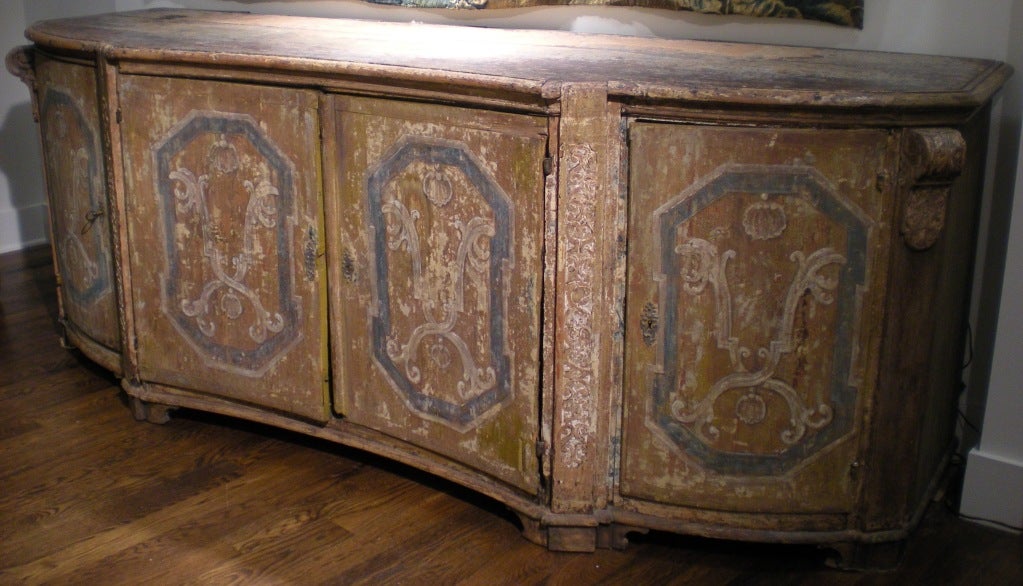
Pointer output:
756, 274
436, 224
222, 187
73, 160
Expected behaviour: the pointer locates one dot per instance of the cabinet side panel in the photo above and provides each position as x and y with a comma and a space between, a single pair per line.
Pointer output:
958, 250
925, 331
73, 161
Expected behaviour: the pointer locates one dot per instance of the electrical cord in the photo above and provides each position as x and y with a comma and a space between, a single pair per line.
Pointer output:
958, 460
989, 522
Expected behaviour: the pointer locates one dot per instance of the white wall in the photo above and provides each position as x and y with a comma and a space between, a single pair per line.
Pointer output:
988, 29
22, 203
22, 212
993, 487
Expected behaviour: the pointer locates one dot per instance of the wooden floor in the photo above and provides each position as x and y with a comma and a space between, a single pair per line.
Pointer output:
88, 495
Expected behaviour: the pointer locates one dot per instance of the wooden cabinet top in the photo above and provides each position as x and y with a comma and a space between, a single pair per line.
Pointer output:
538, 63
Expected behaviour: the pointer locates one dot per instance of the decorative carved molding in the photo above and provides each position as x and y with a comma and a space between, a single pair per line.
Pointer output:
20, 62
578, 370
932, 158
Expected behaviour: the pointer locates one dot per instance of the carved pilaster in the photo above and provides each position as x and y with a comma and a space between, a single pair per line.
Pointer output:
20, 62
932, 158
583, 329
581, 265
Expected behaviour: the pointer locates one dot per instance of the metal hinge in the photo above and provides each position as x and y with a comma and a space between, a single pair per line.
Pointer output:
543, 453
310, 254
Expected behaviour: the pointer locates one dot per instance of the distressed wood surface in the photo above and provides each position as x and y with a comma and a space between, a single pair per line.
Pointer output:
615, 284
932, 159
638, 70
20, 62
584, 324
922, 363
436, 259
756, 278
222, 189
80, 224
109, 108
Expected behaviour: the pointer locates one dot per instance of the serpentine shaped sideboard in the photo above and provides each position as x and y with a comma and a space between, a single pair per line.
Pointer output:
616, 284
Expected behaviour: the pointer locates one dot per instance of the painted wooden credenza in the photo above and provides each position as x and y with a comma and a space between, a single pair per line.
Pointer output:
616, 284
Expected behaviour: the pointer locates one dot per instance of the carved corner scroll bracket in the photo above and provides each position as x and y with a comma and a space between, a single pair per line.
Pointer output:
20, 61
932, 158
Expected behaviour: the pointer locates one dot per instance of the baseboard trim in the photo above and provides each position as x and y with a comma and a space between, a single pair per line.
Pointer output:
23, 227
992, 489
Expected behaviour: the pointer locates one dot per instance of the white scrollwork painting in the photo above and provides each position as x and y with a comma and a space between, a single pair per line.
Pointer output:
761, 272
441, 233
470, 267
227, 290
704, 266
227, 195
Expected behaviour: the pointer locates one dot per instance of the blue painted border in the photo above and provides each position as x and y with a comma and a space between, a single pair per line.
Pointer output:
461, 414
102, 283
775, 182
245, 127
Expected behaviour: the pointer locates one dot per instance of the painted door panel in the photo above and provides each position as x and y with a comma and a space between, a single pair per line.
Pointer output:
222, 181
437, 263
755, 278
72, 156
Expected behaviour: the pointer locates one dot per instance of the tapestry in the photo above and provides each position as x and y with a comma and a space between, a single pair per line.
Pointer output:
843, 12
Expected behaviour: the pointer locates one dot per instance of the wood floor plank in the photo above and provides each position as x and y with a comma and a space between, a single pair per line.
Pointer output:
266, 514
97, 546
90, 496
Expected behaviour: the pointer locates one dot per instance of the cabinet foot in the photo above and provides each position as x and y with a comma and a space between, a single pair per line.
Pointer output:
581, 539
584, 538
612, 536
62, 337
616, 536
151, 412
866, 556
533, 530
